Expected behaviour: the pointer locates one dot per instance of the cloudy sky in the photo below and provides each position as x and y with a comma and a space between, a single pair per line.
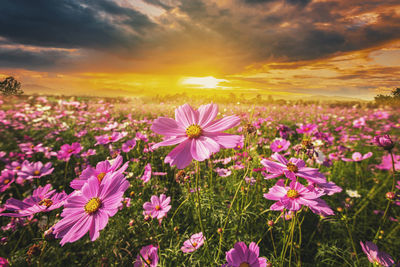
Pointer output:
279, 47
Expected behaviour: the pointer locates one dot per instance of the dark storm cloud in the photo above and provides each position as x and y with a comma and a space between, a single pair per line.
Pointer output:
71, 23
19, 58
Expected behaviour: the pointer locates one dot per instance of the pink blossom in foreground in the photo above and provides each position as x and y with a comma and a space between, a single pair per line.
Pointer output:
149, 255
102, 168
384, 141
4, 262
240, 256
66, 151
42, 200
279, 145
357, 156
158, 207
386, 163
147, 173
294, 196
291, 169
30, 171
375, 256
89, 209
193, 243
196, 132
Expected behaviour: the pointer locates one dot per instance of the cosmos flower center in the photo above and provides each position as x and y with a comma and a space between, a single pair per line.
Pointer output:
148, 261
292, 167
194, 244
279, 146
100, 176
36, 172
93, 205
193, 131
244, 264
70, 150
6, 181
18, 167
109, 138
158, 207
46, 202
307, 143
292, 193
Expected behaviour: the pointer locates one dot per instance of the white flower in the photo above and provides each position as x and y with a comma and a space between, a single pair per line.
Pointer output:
353, 193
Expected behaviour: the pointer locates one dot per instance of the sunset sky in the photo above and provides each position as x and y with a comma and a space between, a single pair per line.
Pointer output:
134, 47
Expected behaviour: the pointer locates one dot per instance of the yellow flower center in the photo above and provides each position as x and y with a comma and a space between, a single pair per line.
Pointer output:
100, 176
193, 131
109, 138
93, 205
194, 244
244, 264
6, 181
292, 167
70, 150
148, 261
46, 202
292, 193
279, 146
158, 207
36, 172
18, 167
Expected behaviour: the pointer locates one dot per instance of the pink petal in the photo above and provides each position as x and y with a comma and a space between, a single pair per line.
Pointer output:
180, 155
168, 127
186, 116
203, 147
222, 124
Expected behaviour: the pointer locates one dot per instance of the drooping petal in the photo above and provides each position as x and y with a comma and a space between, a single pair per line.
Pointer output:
180, 155
203, 147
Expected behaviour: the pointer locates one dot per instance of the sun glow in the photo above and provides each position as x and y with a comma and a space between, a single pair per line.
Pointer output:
202, 82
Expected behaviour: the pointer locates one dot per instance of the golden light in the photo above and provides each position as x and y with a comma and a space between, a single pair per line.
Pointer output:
202, 82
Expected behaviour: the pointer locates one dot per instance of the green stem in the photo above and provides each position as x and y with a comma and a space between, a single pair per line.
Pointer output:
199, 215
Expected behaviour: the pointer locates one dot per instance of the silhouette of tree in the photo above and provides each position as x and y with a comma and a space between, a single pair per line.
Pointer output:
10, 86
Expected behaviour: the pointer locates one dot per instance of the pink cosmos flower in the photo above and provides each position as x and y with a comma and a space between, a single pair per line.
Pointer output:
279, 145
291, 168
357, 156
4, 262
386, 163
194, 243
147, 173
30, 171
358, 123
223, 172
158, 207
6, 179
375, 256
293, 197
149, 254
42, 200
240, 255
128, 145
196, 132
307, 128
102, 168
384, 141
88, 210
66, 151
114, 137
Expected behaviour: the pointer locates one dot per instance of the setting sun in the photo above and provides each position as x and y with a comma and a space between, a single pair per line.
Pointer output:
202, 82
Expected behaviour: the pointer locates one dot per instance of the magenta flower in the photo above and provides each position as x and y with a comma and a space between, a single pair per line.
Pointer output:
384, 141
279, 145
357, 156
240, 256
375, 256
128, 145
42, 200
307, 128
66, 151
149, 255
4, 262
105, 139
88, 210
193, 243
293, 197
291, 168
196, 132
30, 171
102, 168
6, 179
386, 163
158, 207
147, 173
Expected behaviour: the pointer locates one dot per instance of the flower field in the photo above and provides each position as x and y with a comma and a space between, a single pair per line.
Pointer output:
119, 182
